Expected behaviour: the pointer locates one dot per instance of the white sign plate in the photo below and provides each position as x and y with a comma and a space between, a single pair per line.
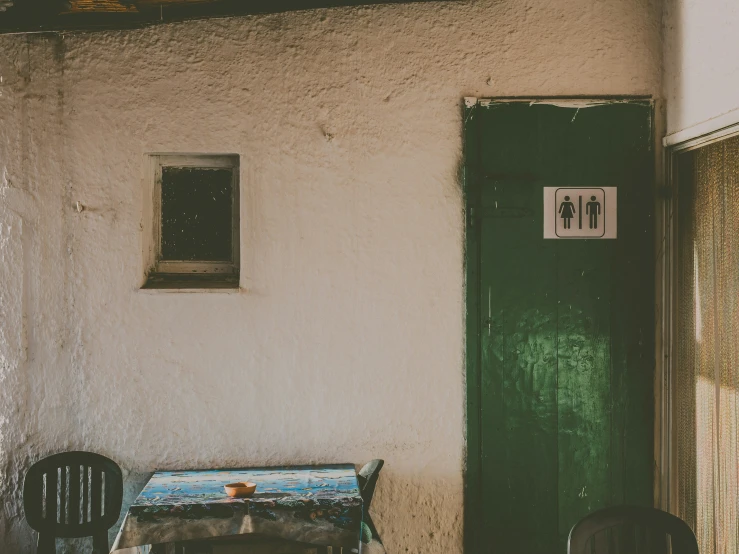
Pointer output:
580, 213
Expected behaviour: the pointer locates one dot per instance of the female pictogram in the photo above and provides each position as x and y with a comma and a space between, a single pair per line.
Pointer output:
567, 211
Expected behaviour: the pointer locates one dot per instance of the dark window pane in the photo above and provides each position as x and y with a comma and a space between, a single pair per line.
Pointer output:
196, 214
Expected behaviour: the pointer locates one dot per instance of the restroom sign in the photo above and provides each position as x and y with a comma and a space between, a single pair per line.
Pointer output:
580, 213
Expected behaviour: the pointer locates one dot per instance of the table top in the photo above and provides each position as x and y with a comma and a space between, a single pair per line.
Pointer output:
319, 504
305, 488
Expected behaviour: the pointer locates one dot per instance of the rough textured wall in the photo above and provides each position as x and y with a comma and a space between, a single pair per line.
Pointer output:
701, 69
346, 342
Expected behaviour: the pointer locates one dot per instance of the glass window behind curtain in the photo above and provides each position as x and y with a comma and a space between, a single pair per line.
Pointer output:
707, 378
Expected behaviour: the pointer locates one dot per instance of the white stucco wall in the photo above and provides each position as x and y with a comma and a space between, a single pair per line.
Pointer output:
701, 69
347, 340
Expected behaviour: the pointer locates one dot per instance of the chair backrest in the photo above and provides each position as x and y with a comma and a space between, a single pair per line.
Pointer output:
631, 530
73, 494
367, 478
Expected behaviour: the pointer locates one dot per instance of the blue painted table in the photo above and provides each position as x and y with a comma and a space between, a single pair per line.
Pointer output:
311, 504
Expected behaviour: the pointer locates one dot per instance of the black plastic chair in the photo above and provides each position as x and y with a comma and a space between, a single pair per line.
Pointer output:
367, 478
73, 495
631, 530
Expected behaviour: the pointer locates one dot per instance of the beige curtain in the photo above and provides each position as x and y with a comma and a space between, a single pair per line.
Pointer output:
707, 378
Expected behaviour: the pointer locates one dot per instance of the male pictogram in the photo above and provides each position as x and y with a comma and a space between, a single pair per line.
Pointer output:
592, 209
567, 211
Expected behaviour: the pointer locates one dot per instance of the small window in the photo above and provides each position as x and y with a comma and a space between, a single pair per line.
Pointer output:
195, 201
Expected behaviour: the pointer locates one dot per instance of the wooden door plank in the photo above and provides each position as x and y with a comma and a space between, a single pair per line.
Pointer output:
583, 391
518, 341
632, 317
584, 332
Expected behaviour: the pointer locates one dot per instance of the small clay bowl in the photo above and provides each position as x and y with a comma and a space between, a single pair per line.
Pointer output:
240, 490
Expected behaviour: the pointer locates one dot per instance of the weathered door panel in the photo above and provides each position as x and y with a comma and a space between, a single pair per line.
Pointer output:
561, 330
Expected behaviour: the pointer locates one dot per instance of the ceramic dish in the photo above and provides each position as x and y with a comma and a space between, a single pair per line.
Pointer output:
240, 490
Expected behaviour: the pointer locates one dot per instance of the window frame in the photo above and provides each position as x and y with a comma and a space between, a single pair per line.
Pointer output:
177, 269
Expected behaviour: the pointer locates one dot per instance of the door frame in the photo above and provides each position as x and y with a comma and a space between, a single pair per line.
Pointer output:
669, 320
472, 474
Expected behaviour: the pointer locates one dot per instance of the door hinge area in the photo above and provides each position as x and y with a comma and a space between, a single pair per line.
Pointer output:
471, 217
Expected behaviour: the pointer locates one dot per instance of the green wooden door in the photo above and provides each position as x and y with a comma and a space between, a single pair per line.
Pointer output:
560, 332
